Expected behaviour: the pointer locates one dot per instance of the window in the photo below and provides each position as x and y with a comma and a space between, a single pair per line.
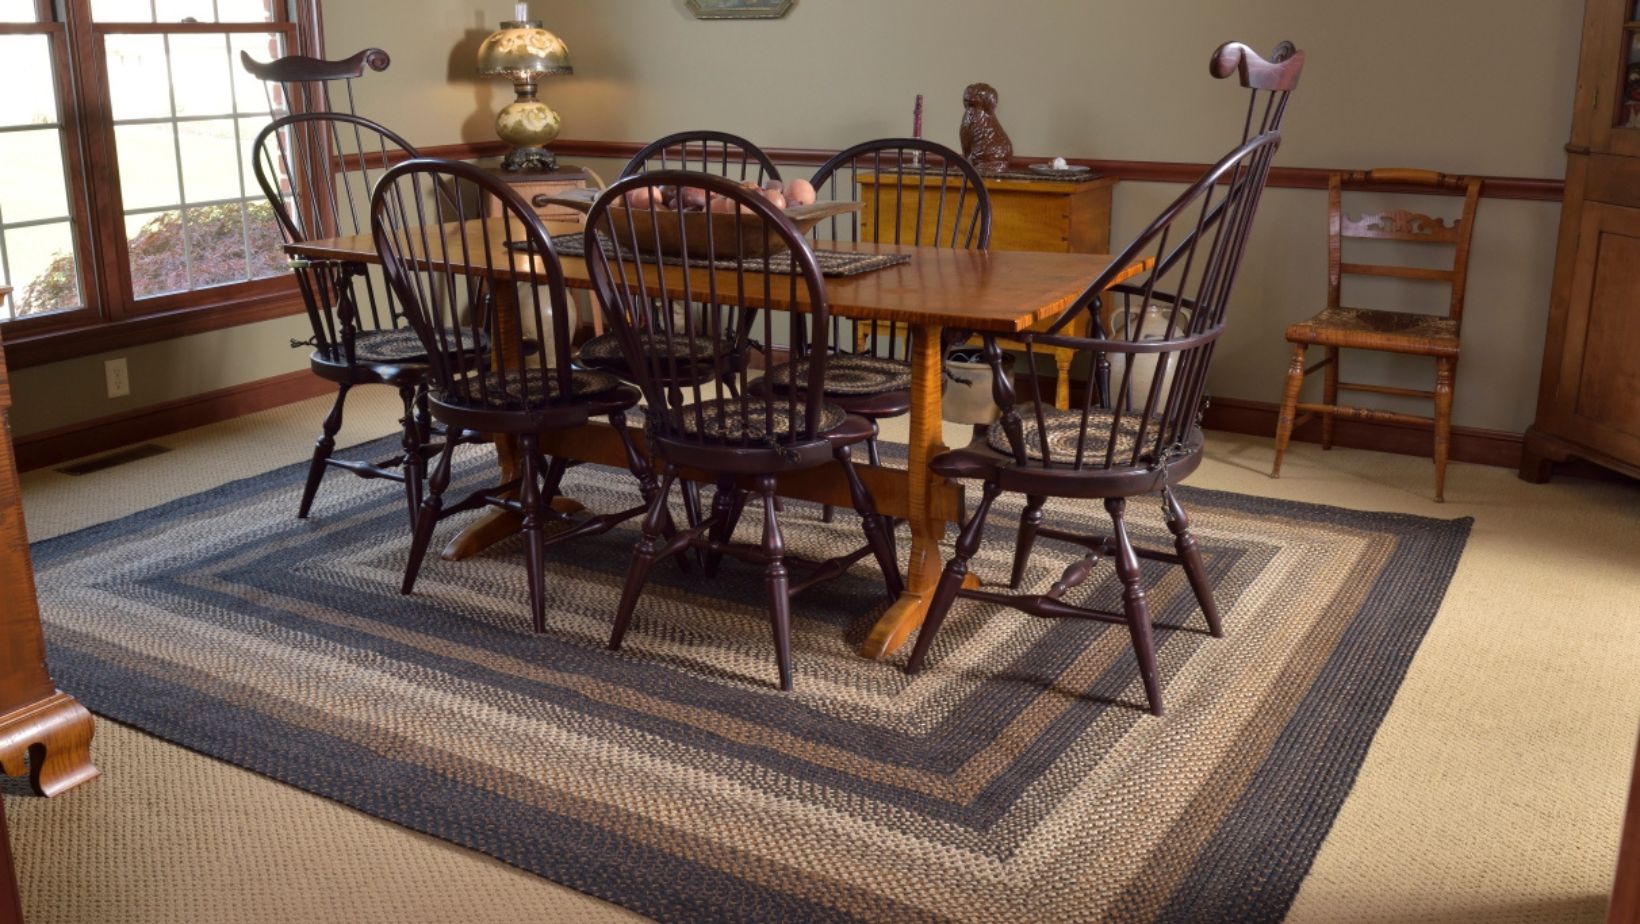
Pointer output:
127, 192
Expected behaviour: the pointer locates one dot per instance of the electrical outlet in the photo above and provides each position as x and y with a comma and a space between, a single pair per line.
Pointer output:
119, 378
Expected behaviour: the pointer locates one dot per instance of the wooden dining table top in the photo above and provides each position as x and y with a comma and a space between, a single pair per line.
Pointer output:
981, 290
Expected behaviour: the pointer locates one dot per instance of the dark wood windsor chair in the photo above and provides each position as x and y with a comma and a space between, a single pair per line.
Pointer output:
869, 370
1411, 333
1139, 432
743, 441
514, 390
316, 168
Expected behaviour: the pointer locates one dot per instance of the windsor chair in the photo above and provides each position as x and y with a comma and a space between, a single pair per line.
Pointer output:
431, 260
740, 440
1136, 434
1339, 327
314, 165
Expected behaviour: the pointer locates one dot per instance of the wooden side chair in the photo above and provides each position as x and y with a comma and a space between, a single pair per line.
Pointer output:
1341, 327
869, 370
741, 441
502, 393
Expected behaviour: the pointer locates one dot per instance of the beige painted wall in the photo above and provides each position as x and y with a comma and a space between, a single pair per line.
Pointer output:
1478, 86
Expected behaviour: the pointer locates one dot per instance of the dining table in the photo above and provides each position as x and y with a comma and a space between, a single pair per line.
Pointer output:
982, 291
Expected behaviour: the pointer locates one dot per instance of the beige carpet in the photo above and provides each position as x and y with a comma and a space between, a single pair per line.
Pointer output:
1493, 792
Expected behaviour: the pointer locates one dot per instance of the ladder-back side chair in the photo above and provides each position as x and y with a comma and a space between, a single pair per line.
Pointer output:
502, 393
1340, 327
679, 359
1137, 431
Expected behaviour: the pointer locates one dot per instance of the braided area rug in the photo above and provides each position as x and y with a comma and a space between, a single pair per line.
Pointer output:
1016, 778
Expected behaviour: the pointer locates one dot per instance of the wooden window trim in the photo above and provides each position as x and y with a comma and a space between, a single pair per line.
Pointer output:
112, 320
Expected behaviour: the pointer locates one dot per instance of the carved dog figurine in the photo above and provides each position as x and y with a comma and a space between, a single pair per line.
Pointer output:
984, 142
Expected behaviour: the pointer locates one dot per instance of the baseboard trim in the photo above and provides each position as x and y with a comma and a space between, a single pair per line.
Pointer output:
1469, 444
59, 444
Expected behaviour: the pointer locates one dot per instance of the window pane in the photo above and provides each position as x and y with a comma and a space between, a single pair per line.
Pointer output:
148, 165
250, 93
40, 265
216, 244
178, 10
246, 10
210, 161
268, 256
137, 79
17, 11
248, 129
199, 70
31, 88
159, 261
122, 11
32, 187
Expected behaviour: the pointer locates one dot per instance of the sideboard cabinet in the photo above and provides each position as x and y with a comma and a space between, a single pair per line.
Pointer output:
37, 721
1589, 395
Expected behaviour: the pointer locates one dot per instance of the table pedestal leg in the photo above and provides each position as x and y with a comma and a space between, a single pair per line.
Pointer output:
922, 570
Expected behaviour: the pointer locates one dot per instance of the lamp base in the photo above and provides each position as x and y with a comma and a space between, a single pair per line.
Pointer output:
530, 159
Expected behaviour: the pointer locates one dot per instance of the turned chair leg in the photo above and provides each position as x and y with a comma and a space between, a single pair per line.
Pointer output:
1444, 369
1133, 604
1178, 523
533, 500
647, 484
415, 467
780, 601
1028, 523
643, 559
877, 528
322, 450
431, 505
1329, 397
956, 571
727, 504
1289, 406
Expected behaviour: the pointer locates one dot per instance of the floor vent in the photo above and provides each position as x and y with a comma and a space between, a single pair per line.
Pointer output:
145, 451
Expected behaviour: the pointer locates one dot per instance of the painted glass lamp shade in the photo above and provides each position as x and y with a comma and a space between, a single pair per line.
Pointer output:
523, 52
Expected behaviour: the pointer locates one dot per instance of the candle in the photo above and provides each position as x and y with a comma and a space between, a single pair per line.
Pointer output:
916, 118
521, 11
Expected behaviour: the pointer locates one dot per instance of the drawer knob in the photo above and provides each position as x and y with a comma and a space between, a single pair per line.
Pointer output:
540, 201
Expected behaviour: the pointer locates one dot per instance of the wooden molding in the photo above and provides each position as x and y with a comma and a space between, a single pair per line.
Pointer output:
1469, 444
1148, 171
49, 447
28, 347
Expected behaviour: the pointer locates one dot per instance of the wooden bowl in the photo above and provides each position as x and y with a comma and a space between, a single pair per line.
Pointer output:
673, 227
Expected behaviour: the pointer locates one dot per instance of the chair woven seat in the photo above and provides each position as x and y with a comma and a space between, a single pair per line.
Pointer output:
606, 348
399, 345
1065, 427
730, 420
542, 387
849, 374
1336, 326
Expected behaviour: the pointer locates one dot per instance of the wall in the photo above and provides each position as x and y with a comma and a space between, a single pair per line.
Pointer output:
1479, 86
1476, 86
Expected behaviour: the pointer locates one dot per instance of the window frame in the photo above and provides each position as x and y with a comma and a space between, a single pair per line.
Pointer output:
111, 317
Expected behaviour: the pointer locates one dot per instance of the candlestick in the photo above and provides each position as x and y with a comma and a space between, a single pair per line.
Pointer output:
521, 11
916, 118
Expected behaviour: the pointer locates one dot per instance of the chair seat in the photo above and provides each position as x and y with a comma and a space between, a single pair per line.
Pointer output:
848, 374
1065, 427
724, 419
398, 345
540, 384
1372, 329
605, 349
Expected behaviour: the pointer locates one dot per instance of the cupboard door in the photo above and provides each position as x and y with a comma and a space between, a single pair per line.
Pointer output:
1597, 394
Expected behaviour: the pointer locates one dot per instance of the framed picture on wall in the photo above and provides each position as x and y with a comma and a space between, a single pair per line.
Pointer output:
739, 9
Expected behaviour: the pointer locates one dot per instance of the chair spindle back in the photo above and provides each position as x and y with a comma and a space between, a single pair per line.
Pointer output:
448, 231
1402, 225
718, 153
680, 358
